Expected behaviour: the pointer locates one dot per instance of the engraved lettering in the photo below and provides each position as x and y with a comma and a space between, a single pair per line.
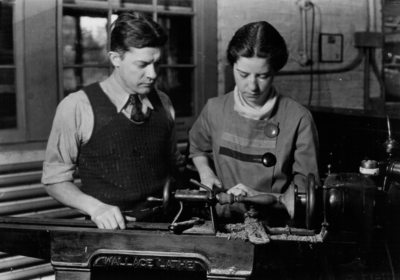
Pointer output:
135, 262
161, 263
142, 262
109, 260
150, 263
190, 265
168, 263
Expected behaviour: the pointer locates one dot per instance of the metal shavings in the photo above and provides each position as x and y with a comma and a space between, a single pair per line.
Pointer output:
251, 230
255, 232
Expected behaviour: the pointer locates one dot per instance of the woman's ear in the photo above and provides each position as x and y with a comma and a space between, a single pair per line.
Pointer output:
115, 58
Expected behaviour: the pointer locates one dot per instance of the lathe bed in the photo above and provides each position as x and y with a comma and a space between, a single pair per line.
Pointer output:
75, 248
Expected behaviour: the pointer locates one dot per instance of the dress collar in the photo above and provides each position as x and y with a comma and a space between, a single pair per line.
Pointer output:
247, 111
118, 96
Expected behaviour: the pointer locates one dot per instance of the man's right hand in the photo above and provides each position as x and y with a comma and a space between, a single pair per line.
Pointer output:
109, 217
104, 215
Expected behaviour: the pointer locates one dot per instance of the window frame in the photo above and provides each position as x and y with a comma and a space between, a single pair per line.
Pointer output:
197, 14
38, 62
18, 134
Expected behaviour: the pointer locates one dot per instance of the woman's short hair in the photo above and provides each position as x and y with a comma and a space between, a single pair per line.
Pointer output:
136, 30
258, 39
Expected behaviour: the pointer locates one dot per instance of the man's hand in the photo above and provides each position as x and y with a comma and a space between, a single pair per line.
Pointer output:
105, 216
109, 217
242, 190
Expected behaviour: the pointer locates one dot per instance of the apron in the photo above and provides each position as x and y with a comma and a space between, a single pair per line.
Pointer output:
240, 146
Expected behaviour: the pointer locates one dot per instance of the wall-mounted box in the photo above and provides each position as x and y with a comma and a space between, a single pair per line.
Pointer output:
330, 47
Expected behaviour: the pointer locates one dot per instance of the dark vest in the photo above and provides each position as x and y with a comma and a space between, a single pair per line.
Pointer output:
123, 163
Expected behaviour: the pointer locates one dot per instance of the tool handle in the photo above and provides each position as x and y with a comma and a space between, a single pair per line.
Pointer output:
261, 199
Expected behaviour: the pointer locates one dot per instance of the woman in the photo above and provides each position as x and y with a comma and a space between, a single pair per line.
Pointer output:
254, 119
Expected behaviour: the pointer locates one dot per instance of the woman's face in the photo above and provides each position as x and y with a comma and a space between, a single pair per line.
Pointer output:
253, 77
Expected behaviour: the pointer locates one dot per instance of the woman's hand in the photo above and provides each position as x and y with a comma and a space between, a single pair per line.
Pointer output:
242, 190
210, 180
207, 175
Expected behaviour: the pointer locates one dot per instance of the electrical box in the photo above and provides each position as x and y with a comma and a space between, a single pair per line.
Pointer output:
330, 47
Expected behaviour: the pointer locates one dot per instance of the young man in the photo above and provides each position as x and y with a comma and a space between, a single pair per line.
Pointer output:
118, 133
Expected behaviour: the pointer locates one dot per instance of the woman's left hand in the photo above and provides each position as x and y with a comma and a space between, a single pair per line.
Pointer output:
242, 190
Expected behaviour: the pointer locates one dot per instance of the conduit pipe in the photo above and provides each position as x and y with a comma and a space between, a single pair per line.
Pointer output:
346, 68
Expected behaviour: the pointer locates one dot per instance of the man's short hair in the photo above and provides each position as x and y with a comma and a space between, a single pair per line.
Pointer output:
136, 30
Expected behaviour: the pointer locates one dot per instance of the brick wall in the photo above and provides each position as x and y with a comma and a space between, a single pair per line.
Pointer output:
341, 90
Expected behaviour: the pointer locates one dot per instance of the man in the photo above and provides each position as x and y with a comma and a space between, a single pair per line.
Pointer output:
119, 133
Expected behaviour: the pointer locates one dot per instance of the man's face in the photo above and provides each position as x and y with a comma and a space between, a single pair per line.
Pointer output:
137, 70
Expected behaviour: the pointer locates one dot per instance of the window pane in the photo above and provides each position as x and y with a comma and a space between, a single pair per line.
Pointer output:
6, 33
176, 3
391, 54
8, 103
180, 42
77, 78
177, 83
84, 43
73, 1
84, 40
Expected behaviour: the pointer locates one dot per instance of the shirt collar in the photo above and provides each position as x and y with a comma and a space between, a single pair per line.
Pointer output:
118, 96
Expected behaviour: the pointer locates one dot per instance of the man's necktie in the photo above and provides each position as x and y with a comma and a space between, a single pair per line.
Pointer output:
136, 114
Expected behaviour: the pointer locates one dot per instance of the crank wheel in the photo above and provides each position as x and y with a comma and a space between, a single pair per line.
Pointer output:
167, 195
310, 201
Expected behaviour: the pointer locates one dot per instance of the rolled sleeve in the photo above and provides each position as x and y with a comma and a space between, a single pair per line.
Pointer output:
64, 141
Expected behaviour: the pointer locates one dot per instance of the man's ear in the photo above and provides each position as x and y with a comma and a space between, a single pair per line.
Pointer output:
115, 58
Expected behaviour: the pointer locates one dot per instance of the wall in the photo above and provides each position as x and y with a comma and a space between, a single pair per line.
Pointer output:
340, 90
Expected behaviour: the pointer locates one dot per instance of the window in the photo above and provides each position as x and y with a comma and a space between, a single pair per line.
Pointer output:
62, 46
12, 115
85, 41
391, 52
8, 101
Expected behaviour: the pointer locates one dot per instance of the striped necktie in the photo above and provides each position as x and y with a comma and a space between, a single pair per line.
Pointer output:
136, 113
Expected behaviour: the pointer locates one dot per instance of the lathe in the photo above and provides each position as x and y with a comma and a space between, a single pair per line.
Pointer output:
331, 228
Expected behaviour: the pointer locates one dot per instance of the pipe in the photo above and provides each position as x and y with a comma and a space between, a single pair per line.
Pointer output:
29, 272
15, 262
58, 213
20, 178
304, 29
346, 68
32, 205
22, 192
16, 167
366, 77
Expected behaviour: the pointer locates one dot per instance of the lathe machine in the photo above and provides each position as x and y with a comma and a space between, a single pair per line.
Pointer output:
328, 232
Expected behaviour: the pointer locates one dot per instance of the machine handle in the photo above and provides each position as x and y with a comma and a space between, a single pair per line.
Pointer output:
262, 199
151, 198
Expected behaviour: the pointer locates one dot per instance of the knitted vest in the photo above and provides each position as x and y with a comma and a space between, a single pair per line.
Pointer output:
123, 163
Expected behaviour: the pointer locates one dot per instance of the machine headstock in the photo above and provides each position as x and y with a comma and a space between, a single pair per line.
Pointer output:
292, 200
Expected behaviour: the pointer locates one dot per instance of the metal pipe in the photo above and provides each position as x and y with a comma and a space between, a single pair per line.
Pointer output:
29, 272
366, 78
58, 213
14, 207
16, 167
14, 262
20, 178
21, 192
346, 68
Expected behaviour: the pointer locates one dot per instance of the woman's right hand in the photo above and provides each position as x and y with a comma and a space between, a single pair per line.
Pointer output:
210, 180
